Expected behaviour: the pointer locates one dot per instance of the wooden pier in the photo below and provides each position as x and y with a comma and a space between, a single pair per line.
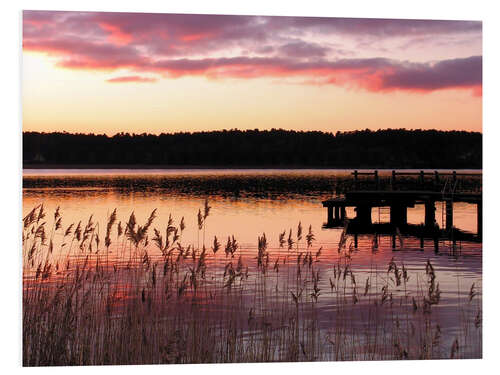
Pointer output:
443, 189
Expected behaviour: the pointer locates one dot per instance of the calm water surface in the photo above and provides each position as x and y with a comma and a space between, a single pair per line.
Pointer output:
248, 203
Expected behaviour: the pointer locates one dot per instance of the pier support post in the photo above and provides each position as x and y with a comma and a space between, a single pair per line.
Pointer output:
342, 213
430, 213
449, 215
480, 220
337, 214
399, 215
364, 215
330, 215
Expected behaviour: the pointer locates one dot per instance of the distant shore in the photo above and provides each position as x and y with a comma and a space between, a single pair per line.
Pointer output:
270, 167
275, 149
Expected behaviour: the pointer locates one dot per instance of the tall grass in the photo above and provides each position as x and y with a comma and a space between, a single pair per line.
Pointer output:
143, 297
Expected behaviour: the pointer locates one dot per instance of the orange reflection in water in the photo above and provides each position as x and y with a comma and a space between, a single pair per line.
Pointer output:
245, 218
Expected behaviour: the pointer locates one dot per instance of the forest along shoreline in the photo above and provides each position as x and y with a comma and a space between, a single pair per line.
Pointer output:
382, 149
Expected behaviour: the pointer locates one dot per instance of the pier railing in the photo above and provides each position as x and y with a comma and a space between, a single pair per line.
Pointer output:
421, 180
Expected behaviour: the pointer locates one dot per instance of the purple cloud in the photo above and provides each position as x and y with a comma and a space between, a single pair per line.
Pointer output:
303, 49
452, 73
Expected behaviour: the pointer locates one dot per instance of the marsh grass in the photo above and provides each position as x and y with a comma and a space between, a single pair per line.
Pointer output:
154, 300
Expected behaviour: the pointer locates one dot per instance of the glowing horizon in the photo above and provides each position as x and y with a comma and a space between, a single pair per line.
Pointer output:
134, 72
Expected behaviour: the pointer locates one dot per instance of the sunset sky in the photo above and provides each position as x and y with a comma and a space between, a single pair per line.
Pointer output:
136, 72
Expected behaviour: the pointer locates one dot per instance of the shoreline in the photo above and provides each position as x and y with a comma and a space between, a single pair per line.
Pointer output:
226, 167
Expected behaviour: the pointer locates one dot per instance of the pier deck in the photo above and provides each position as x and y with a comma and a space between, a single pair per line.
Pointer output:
398, 202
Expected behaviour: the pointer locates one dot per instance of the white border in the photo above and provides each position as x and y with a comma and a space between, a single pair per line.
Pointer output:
10, 345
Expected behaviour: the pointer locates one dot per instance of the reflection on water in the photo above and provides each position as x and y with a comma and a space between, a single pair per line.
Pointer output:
247, 215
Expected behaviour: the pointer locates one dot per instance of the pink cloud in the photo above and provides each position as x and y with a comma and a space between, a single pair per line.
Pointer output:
375, 74
174, 46
116, 35
129, 79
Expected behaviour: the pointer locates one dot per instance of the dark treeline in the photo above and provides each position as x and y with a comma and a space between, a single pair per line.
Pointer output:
391, 148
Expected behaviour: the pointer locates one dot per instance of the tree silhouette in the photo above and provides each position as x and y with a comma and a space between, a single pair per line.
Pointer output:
390, 148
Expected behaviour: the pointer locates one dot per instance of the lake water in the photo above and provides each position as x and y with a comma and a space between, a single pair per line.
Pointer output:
248, 203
